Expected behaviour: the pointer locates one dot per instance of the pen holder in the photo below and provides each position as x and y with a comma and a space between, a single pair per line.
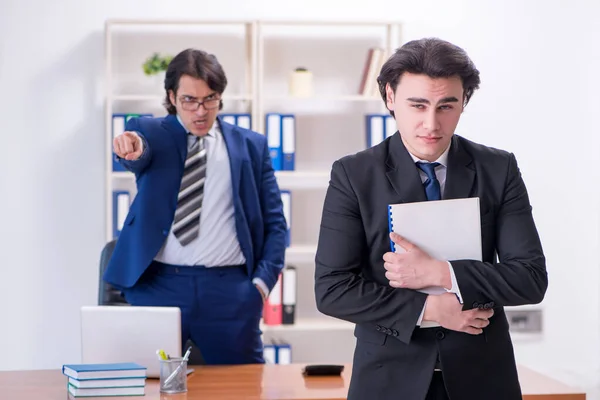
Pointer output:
173, 375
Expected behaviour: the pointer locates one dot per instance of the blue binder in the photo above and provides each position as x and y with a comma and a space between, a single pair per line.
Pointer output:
288, 142
283, 353
243, 120
375, 129
273, 132
390, 126
121, 203
286, 199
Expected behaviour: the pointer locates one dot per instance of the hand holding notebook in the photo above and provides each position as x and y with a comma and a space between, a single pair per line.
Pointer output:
444, 230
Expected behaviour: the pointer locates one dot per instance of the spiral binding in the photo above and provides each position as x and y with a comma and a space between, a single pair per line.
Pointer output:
391, 224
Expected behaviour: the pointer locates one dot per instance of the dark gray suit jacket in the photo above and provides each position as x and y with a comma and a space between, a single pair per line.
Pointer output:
393, 358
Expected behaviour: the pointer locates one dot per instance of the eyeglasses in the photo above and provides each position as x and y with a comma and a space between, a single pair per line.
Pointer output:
193, 105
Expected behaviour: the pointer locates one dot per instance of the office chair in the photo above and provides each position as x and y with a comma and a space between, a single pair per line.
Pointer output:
109, 296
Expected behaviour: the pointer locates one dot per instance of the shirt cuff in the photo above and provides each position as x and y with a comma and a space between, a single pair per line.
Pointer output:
261, 284
455, 289
420, 320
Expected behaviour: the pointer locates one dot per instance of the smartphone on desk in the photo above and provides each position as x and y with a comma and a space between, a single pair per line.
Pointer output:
323, 370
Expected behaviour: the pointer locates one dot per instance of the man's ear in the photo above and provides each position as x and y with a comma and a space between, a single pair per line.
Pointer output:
172, 97
389, 97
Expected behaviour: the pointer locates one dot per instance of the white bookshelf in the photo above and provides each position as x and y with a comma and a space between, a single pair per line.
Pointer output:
257, 57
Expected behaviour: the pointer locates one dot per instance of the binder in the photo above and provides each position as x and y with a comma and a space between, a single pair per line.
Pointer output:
375, 129
229, 118
121, 202
390, 126
272, 308
290, 288
286, 199
244, 121
284, 353
273, 131
269, 353
288, 135
119, 121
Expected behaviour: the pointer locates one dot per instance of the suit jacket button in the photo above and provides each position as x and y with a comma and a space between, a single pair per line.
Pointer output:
378, 328
481, 307
440, 335
395, 332
475, 305
492, 304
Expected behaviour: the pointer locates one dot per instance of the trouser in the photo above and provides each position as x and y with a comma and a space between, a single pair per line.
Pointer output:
220, 308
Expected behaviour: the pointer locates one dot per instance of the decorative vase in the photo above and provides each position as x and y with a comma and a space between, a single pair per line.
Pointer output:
301, 83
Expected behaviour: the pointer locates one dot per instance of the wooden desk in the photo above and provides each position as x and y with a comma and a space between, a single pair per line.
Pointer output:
251, 382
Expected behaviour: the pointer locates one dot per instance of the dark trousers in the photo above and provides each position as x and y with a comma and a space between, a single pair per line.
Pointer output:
437, 390
220, 308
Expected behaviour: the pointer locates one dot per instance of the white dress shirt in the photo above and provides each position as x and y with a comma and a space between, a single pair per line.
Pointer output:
217, 243
440, 173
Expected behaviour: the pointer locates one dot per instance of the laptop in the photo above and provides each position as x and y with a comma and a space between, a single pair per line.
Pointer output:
115, 334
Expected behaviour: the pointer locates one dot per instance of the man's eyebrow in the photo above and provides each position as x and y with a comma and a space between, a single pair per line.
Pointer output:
449, 99
195, 98
420, 100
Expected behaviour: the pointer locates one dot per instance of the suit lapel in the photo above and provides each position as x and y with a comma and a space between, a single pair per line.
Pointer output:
178, 134
234, 148
461, 173
402, 172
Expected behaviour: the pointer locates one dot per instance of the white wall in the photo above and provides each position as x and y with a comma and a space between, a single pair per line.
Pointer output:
538, 99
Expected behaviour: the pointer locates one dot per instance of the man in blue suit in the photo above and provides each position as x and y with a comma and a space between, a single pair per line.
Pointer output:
206, 230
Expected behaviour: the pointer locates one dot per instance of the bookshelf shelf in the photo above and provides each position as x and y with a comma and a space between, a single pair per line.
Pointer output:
311, 324
341, 98
302, 179
300, 254
286, 179
158, 98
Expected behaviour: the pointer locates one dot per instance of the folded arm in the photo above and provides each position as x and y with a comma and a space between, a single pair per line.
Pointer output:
520, 276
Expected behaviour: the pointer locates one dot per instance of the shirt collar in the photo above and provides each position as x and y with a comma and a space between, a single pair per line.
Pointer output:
443, 159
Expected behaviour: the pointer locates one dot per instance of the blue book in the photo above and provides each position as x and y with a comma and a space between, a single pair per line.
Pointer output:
104, 371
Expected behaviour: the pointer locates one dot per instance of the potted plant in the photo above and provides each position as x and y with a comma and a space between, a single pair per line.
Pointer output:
156, 66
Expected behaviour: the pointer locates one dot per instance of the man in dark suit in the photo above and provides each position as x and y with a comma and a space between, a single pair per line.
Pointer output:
411, 345
206, 230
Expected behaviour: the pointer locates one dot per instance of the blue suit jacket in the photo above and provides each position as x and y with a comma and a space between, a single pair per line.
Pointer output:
259, 220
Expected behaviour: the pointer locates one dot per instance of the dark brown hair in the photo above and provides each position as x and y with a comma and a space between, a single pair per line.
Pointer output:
197, 64
433, 57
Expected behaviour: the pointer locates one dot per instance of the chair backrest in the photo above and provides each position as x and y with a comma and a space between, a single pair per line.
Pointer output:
107, 294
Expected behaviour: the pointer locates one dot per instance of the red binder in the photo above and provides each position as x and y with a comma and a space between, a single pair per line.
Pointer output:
272, 313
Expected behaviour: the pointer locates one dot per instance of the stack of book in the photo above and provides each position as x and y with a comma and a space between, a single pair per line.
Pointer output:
91, 380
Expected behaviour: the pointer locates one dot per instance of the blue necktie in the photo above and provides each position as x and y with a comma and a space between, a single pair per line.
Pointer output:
432, 185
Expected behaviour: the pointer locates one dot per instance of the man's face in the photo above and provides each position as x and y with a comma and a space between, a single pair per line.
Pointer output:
427, 111
191, 91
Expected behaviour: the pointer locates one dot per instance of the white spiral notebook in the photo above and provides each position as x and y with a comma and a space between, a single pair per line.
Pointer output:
445, 229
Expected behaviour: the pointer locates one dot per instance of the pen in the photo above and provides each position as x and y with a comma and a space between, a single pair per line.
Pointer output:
185, 358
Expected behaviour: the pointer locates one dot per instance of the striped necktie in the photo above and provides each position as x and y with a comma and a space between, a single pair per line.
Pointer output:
186, 225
